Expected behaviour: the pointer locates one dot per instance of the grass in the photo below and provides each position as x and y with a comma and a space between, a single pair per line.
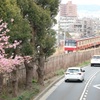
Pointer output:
30, 94
24, 95
84, 63
60, 72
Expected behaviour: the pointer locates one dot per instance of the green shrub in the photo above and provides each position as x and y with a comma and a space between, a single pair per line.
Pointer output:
20, 97
59, 72
34, 81
84, 63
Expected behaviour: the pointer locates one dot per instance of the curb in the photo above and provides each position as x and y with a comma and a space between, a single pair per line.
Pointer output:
45, 90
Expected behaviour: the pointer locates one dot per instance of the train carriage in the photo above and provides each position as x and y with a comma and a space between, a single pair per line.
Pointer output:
72, 45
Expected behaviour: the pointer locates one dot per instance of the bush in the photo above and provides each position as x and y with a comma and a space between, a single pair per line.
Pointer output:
59, 72
34, 81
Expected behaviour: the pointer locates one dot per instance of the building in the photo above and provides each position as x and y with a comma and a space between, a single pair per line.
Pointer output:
69, 22
84, 26
71, 9
66, 22
68, 10
63, 10
68, 15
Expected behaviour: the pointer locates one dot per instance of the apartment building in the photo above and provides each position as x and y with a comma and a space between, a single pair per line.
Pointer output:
69, 21
68, 15
84, 26
71, 9
68, 10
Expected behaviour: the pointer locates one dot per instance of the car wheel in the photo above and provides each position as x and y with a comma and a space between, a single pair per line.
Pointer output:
92, 65
82, 80
66, 80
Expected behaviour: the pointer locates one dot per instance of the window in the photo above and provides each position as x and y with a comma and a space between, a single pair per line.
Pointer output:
70, 43
73, 70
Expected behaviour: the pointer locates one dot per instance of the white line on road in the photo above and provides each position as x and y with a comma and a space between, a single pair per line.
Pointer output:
87, 85
97, 86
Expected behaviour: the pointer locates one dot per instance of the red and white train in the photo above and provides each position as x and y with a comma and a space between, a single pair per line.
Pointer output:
72, 45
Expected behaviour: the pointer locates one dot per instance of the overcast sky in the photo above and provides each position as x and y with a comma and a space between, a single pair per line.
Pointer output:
82, 2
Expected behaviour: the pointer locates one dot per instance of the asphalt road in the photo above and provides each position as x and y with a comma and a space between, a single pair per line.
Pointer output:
87, 90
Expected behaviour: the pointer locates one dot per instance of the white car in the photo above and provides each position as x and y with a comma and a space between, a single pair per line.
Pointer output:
74, 74
95, 60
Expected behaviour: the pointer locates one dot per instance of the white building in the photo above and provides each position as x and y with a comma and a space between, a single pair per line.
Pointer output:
66, 22
83, 26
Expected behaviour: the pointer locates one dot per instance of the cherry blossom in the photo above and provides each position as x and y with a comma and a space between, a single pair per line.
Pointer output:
8, 64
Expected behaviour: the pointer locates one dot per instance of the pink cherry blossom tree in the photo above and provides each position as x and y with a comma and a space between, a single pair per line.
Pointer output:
8, 64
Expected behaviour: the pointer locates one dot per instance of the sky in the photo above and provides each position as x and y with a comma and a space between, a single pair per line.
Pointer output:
83, 2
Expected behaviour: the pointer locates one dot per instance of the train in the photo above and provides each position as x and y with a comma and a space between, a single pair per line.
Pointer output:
72, 45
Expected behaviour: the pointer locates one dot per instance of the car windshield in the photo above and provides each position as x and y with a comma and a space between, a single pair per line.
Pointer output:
96, 57
73, 70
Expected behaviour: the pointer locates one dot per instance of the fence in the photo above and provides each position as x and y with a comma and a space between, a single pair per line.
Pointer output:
55, 63
67, 60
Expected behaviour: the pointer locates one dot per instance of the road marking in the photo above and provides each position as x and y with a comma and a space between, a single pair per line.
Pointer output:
87, 85
84, 98
97, 86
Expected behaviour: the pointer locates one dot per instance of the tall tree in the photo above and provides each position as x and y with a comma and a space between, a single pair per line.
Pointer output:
48, 39
41, 15
19, 26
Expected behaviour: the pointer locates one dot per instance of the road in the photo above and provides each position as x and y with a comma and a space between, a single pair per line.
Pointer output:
87, 90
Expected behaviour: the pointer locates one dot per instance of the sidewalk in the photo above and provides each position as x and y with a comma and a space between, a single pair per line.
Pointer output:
48, 87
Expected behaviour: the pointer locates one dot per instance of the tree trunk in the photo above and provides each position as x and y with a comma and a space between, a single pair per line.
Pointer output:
40, 70
15, 82
1, 82
29, 74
